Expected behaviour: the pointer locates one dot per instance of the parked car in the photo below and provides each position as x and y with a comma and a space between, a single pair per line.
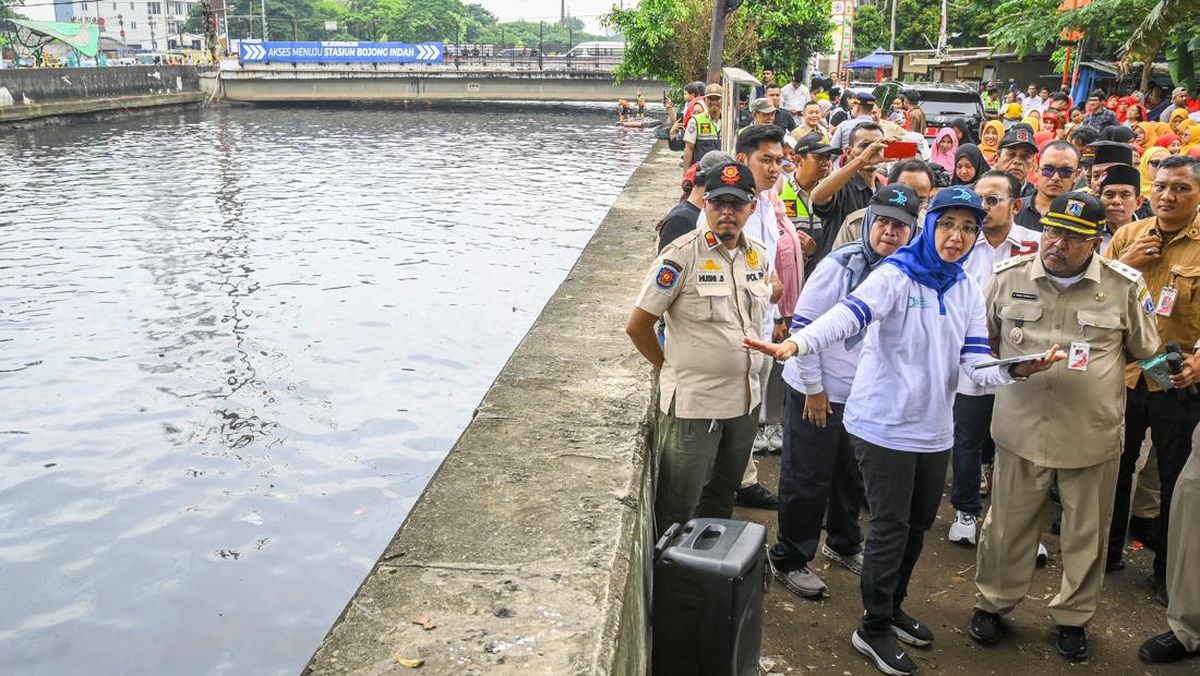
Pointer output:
942, 104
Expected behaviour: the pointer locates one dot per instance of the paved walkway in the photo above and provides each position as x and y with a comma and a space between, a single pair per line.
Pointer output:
803, 636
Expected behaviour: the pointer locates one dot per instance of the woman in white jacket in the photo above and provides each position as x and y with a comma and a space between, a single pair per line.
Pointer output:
924, 318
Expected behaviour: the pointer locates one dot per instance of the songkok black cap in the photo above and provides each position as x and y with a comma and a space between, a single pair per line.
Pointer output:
1107, 152
1122, 174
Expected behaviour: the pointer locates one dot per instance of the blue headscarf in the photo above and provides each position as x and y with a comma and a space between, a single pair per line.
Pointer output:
860, 259
920, 260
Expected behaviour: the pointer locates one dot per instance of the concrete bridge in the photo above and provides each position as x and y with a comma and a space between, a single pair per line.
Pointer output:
498, 81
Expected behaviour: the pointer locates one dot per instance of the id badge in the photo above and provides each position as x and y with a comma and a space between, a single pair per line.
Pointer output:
1077, 359
1166, 301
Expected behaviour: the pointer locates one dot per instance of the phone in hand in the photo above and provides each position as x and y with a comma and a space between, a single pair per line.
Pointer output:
900, 150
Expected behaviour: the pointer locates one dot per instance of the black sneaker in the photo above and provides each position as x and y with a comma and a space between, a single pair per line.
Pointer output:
885, 652
757, 496
985, 627
1114, 563
910, 631
1164, 648
1072, 643
1159, 586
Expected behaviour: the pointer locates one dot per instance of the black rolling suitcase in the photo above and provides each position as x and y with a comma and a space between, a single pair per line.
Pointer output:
709, 577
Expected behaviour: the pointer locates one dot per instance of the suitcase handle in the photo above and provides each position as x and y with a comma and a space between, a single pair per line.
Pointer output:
661, 545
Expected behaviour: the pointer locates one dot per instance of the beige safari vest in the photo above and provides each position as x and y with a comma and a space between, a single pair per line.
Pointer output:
710, 298
1066, 418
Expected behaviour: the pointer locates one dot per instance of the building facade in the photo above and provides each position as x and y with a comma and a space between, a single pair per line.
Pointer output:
152, 25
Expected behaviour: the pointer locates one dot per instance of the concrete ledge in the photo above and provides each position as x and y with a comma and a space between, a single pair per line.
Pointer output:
528, 549
98, 105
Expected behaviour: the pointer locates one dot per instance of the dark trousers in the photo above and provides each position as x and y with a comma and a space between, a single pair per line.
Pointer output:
903, 492
1170, 422
818, 475
972, 432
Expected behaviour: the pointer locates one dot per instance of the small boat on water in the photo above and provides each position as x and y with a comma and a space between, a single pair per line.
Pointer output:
644, 123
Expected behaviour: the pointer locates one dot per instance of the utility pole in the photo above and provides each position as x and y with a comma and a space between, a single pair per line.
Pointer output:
295, 31
892, 41
541, 46
263, 4
716, 42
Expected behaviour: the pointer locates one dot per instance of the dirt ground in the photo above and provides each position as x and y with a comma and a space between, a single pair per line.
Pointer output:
803, 636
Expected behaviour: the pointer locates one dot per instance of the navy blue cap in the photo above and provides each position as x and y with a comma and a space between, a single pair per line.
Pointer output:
958, 196
865, 97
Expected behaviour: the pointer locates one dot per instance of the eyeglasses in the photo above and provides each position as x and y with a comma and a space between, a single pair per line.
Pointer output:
968, 229
992, 201
733, 204
1054, 234
1063, 172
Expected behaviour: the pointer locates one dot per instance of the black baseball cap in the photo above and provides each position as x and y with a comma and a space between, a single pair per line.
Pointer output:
896, 201
1018, 136
1078, 212
1107, 152
731, 178
812, 143
1122, 174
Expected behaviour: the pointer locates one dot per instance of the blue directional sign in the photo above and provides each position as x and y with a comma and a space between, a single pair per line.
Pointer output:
257, 51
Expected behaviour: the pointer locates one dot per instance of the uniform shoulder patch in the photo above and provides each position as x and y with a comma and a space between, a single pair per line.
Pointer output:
1130, 273
1012, 263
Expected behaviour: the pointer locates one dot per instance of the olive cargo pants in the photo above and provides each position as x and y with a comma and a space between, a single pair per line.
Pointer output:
700, 466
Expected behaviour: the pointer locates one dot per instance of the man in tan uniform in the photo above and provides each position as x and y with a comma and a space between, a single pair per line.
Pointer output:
711, 287
1183, 560
1166, 249
1064, 427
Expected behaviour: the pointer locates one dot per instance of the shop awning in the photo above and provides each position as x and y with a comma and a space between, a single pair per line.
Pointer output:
876, 59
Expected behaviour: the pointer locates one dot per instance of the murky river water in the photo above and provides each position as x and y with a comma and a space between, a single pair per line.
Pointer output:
235, 344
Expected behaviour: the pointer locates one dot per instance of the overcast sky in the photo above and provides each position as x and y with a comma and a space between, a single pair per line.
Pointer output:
508, 10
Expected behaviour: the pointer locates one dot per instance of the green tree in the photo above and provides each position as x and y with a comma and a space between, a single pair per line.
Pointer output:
668, 39
870, 29
791, 32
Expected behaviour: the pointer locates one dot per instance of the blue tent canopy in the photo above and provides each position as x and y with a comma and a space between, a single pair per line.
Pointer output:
876, 59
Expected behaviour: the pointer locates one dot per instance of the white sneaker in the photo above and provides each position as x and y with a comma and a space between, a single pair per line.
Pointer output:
760, 440
1043, 555
962, 529
984, 488
774, 434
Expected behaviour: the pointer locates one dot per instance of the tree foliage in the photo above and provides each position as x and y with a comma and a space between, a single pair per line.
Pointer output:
918, 23
448, 21
668, 39
1028, 26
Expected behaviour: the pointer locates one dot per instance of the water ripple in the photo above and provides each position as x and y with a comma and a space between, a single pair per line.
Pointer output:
235, 344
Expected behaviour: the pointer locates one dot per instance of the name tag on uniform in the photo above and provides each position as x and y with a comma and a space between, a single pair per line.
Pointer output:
754, 276
1166, 301
1078, 357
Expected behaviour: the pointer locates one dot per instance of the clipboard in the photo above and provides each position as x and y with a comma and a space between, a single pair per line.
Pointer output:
1007, 361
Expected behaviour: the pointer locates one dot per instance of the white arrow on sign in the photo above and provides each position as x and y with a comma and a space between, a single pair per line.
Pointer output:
427, 52
253, 52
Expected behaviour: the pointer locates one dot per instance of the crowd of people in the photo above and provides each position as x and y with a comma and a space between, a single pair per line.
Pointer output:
1020, 311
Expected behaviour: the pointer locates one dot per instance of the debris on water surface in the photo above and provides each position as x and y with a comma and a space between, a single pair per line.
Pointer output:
229, 554
411, 663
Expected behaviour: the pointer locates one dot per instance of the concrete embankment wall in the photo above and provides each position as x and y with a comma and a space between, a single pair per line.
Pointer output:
32, 93
528, 551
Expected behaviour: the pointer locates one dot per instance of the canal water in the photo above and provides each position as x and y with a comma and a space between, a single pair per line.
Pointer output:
236, 343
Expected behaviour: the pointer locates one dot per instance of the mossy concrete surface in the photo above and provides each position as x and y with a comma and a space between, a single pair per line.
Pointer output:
528, 551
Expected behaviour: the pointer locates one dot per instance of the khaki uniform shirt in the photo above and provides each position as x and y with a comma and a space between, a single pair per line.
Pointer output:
1179, 266
710, 298
1067, 418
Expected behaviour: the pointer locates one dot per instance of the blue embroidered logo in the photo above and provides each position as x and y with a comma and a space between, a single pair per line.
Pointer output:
919, 302
899, 198
962, 194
